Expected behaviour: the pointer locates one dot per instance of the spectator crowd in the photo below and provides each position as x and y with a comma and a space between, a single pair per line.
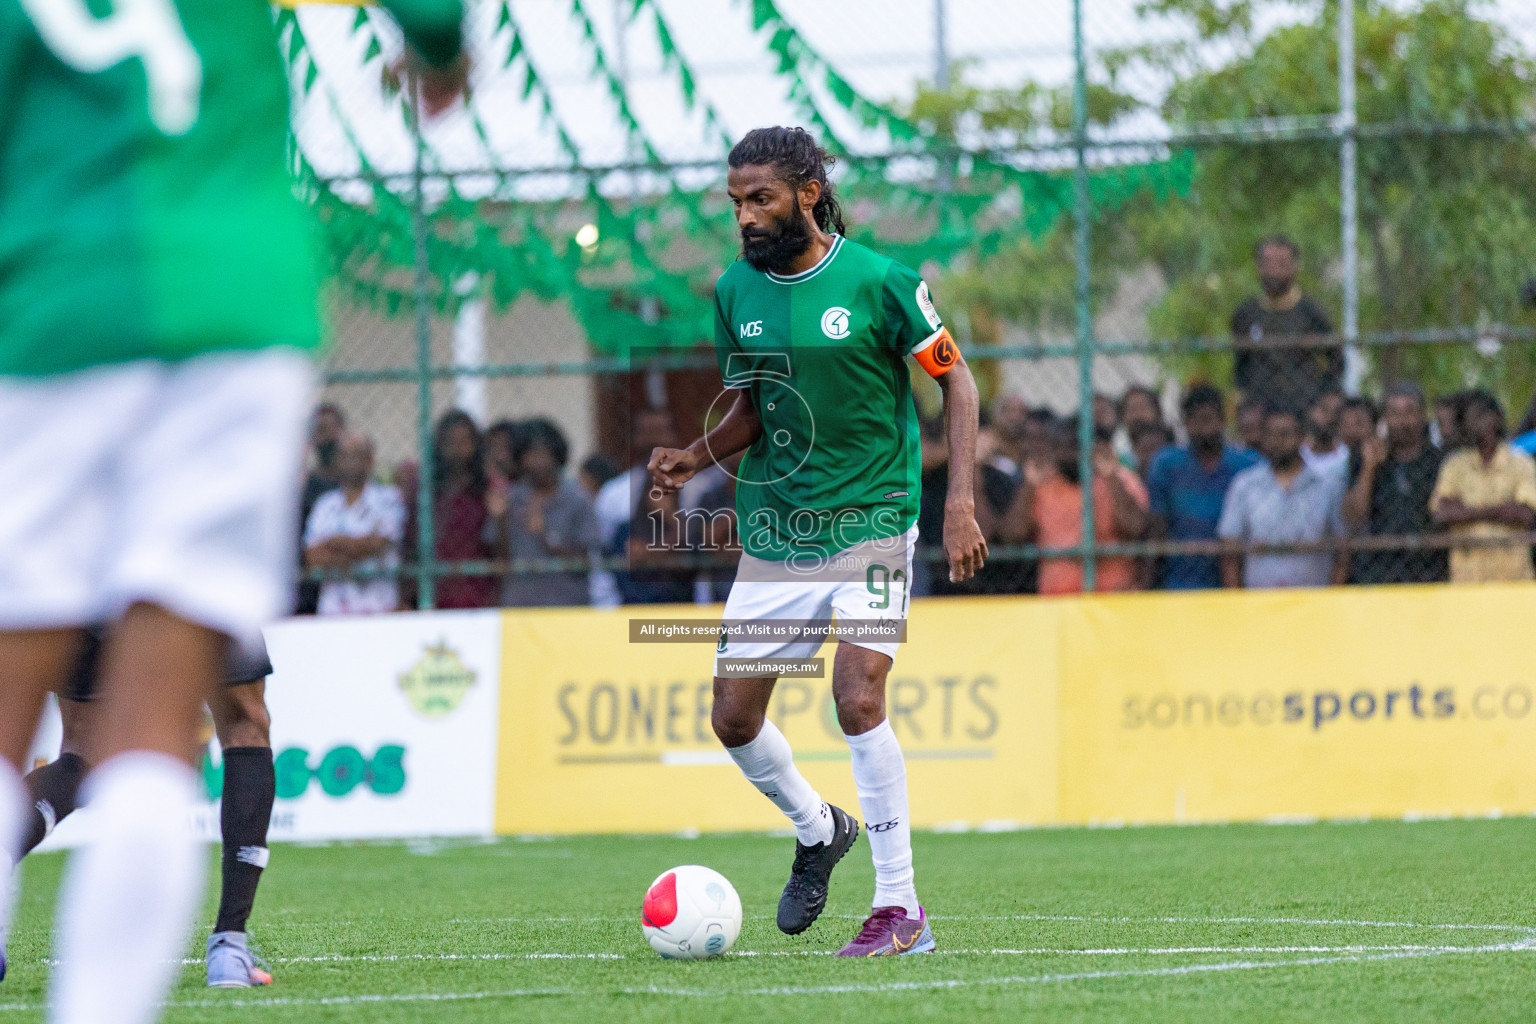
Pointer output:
1293, 484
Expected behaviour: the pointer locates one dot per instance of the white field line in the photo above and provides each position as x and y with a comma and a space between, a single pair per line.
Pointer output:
1529, 933
389, 958
1338, 955
1083, 918
946, 984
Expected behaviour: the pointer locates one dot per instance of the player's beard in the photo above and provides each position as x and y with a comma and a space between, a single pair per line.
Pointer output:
774, 251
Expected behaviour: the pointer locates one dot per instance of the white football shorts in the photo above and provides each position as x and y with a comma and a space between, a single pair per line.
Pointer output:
879, 592
174, 484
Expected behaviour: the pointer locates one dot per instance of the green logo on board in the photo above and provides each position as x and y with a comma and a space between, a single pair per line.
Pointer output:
437, 683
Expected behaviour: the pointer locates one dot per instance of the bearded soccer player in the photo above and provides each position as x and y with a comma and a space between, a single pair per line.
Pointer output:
812, 333
159, 300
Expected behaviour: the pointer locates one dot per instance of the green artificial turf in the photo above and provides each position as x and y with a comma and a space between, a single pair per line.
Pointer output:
1330, 922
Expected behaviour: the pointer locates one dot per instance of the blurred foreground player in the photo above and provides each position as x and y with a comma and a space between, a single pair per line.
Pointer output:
812, 333
159, 302
242, 723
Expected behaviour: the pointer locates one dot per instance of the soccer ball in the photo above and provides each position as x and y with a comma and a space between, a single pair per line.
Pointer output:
691, 913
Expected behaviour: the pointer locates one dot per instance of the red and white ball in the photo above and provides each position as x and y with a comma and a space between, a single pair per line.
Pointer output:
691, 913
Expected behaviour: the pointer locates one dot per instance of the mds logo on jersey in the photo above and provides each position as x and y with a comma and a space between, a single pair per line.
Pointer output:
752, 330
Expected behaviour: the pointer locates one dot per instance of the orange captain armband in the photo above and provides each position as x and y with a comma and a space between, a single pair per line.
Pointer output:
937, 353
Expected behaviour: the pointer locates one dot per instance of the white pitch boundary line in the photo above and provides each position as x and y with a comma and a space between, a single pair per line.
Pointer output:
1113, 951
384, 958
809, 990
1318, 922
1528, 931
1083, 918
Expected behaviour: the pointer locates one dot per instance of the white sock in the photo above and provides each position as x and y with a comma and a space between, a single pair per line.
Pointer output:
880, 773
128, 899
13, 814
769, 764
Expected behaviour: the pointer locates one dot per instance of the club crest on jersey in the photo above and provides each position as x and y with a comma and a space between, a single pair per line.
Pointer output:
834, 323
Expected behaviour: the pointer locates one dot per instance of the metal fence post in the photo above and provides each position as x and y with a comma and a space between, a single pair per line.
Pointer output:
945, 177
1084, 269
426, 549
1349, 211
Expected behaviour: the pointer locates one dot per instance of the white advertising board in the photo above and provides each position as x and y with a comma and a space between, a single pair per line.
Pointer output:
382, 727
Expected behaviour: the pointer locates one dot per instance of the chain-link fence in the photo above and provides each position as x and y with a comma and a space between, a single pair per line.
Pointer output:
1288, 302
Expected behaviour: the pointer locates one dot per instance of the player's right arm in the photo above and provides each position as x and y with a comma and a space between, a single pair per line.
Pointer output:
672, 467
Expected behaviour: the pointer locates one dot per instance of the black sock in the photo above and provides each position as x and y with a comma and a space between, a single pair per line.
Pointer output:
52, 791
250, 785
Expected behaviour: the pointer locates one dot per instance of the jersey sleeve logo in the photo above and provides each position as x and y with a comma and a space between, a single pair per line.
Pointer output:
925, 303
835, 323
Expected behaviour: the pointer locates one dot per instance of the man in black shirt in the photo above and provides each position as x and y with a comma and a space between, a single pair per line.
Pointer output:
1390, 485
1278, 360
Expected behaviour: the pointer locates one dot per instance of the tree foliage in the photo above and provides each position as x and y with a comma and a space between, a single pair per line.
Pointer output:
1446, 217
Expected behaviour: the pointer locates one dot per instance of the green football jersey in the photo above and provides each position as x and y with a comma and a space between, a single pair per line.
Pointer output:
146, 209
823, 354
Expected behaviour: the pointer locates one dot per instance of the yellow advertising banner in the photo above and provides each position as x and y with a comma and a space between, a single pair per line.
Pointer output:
1139, 708
1354, 702
599, 734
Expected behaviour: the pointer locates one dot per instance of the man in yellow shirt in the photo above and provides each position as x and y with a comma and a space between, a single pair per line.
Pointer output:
1487, 489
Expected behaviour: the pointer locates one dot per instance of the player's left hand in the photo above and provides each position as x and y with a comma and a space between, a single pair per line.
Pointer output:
964, 544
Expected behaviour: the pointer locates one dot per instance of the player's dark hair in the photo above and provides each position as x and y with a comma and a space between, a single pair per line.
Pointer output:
452, 419
1203, 396
798, 160
1285, 242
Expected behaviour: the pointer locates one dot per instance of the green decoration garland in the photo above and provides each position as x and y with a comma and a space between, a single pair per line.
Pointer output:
647, 283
